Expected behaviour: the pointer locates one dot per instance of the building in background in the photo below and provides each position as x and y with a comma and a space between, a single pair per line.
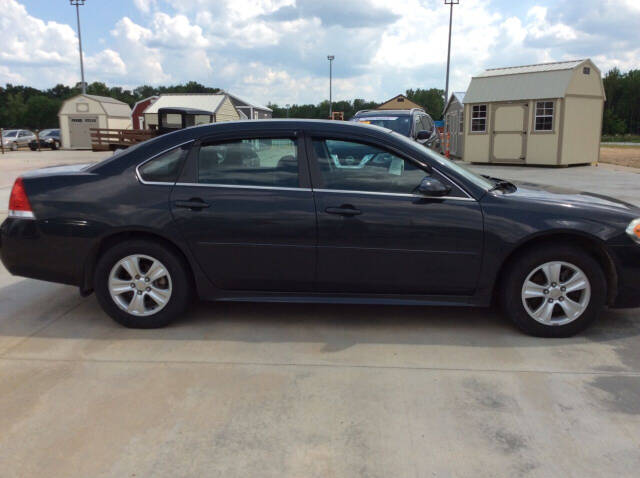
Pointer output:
454, 123
220, 105
399, 102
250, 110
79, 114
137, 113
549, 114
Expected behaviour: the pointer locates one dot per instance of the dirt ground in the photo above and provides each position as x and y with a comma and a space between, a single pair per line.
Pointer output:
621, 155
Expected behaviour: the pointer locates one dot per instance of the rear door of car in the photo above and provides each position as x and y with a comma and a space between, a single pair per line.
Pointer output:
245, 207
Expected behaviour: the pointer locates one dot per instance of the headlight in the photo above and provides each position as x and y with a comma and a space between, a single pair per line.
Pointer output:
633, 230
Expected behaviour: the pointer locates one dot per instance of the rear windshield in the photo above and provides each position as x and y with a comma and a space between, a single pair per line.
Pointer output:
397, 123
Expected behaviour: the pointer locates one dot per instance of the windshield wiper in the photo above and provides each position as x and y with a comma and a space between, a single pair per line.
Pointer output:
500, 184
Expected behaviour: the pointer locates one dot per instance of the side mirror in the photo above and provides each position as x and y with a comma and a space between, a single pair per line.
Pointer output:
431, 186
424, 134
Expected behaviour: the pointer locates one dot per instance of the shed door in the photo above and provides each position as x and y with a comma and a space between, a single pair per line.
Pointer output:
452, 121
509, 132
79, 131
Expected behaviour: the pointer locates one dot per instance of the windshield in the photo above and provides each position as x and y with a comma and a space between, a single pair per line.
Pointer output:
476, 179
399, 124
10, 134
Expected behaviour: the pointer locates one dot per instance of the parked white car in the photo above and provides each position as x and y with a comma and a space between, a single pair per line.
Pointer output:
16, 138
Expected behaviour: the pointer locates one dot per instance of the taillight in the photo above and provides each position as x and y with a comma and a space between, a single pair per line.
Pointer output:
19, 205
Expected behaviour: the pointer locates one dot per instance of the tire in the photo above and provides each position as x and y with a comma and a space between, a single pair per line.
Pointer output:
571, 310
32, 148
55, 145
174, 287
14, 146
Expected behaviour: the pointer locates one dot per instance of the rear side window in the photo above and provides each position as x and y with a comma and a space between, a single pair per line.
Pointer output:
269, 162
164, 168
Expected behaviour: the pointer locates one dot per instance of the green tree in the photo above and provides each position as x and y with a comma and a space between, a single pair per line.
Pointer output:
432, 100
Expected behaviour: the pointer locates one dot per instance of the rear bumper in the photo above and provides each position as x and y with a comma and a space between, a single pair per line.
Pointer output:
26, 251
627, 262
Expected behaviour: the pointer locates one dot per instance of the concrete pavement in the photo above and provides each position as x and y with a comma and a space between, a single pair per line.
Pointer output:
311, 390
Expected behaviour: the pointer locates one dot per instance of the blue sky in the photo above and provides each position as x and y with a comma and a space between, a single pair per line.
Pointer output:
275, 50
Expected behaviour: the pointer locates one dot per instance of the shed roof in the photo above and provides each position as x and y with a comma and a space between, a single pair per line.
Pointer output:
111, 106
545, 80
458, 96
203, 101
253, 105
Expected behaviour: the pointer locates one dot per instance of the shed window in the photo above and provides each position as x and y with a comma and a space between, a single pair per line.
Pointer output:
479, 118
544, 116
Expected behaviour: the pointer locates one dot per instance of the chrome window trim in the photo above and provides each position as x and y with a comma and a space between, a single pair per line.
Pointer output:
375, 193
242, 186
158, 183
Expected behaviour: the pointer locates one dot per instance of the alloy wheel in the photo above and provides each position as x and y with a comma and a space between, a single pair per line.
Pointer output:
140, 285
556, 293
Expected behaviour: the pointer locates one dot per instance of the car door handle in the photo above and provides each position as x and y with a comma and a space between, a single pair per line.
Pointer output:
345, 210
192, 204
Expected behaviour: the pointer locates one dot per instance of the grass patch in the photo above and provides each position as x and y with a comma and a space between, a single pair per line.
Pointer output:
624, 138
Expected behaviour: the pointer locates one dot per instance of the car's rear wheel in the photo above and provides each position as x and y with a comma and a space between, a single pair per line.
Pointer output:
554, 291
33, 148
142, 284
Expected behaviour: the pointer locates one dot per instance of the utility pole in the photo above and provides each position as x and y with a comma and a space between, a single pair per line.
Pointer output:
451, 3
78, 4
330, 58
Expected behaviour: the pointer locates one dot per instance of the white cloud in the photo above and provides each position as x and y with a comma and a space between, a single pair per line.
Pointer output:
275, 50
145, 6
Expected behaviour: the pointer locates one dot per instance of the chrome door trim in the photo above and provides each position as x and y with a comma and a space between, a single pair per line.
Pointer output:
374, 193
242, 186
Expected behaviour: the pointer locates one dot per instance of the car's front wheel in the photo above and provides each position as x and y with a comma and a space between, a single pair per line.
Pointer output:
14, 146
142, 284
554, 291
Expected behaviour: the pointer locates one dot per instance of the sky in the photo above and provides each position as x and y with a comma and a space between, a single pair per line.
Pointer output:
276, 50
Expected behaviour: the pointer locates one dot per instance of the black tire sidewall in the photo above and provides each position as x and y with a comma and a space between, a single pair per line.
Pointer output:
180, 281
522, 267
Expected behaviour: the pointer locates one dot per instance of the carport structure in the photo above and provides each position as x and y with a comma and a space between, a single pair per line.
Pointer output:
548, 114
81, 113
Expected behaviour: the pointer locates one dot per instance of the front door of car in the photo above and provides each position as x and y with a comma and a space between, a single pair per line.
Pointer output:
377, 235
246, 210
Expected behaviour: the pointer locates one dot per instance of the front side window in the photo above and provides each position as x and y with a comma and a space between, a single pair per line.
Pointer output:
479, 118
350, 166
270, 162
164, 168
544, 116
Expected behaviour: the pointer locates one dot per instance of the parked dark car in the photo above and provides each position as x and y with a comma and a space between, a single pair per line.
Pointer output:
318, 211
414, 123
49, 138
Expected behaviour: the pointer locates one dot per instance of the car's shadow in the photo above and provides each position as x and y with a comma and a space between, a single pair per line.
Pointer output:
37, 309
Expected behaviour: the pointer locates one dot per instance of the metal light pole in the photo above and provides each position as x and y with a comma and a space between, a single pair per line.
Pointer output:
330, 58
287, 106
78, 4
451, 3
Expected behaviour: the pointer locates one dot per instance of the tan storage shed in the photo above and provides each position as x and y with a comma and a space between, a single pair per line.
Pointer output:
454, 123
399, 102
83, 112
220, 105
548, 114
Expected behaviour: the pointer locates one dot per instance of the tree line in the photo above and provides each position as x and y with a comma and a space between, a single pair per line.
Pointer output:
622, 108
26, 107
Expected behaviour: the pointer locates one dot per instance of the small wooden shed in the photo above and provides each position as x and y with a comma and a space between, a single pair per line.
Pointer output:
137, 113
79, 114
220, 105
548, 114
454, 123
399, 102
